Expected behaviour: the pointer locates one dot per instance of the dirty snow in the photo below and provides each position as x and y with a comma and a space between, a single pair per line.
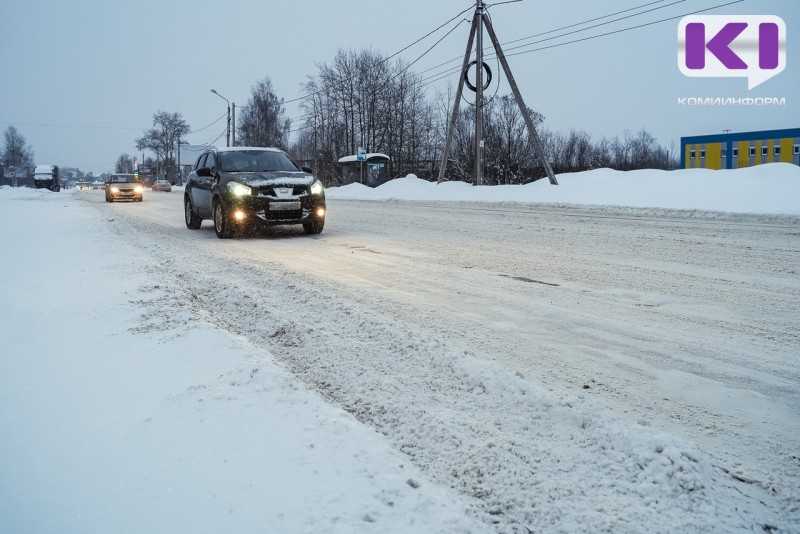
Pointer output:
402, 372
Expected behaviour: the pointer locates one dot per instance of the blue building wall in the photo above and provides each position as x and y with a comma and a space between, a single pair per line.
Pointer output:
743, 149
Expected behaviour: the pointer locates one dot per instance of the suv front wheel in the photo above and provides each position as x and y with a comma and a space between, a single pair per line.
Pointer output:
314, 227
193, 222
222, 226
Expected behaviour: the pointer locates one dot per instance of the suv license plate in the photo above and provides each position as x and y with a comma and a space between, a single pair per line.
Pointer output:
284, 206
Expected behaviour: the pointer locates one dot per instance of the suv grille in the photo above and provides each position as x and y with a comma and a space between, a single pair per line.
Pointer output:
297, 190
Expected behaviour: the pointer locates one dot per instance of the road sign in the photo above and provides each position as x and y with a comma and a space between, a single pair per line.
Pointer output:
362, 153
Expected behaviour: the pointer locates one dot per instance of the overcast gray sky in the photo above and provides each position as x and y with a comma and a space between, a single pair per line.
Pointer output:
81, 79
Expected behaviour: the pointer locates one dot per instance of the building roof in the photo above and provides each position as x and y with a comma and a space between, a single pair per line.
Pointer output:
741, 136
371, 155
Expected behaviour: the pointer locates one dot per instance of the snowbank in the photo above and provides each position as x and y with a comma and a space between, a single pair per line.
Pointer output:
773, 188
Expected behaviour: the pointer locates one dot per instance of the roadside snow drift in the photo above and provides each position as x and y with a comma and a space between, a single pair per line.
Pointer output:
771, 188
141, 388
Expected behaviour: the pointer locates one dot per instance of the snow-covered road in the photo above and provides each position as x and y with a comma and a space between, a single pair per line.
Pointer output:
527, 355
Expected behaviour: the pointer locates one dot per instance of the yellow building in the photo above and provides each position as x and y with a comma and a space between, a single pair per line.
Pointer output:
737, 150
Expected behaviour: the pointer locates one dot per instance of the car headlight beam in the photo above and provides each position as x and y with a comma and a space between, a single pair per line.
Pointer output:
316, 188
239, 190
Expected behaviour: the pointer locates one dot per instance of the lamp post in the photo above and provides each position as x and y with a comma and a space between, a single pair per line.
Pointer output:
228, 129
178, 157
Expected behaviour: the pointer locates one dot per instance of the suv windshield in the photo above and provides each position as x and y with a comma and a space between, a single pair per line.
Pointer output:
255, 161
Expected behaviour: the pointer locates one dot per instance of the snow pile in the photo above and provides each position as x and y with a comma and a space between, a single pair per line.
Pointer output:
125, 408
136, 403
771, 188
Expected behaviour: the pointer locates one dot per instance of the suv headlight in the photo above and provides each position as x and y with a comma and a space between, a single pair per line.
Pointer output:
316, 188
239, 190
138, 189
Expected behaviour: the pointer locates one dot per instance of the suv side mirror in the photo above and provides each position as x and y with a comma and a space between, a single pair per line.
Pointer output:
203, 171
309, 170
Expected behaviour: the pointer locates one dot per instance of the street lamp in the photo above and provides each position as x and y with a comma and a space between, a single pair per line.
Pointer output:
228, 129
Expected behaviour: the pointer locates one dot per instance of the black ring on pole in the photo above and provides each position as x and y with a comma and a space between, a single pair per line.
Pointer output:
488, 76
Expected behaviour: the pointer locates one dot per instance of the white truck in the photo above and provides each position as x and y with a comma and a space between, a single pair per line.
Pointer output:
46, 176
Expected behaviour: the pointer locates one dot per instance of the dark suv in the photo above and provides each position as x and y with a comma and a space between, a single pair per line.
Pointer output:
244, 188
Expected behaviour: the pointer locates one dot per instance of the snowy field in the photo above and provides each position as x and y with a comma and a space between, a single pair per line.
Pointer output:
615, 354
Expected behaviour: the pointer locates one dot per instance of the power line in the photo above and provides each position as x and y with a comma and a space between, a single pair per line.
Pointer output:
589, 27
444, 74
309, 95
397, 75
428, 50
585, 22
209, 125
82, 126
87, 127
429, 34
224, 132
506, 2
563, 28
627, 29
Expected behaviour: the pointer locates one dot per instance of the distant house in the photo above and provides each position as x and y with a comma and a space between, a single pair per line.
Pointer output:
187, 157
737, 150
372, 171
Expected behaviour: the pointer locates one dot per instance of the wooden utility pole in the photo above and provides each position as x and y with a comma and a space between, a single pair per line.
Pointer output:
478, 22
534, 137
456, 102
479, 96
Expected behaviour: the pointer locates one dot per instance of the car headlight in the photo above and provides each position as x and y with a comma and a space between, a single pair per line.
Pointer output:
316, 188
138, 189
239, 190
114, 189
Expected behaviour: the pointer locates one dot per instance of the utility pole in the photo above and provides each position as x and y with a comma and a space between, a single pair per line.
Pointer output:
456, 102
228, 130
479, 95
478, 22
233, 124
534, 137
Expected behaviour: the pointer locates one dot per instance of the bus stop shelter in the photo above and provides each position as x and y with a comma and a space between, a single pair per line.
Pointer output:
372, 170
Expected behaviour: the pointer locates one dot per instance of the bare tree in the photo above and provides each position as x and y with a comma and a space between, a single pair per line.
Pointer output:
262, 122
508, 154
647, 153
17, 153
363, 100
163, 138
124, 164
462, 148
601, 154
